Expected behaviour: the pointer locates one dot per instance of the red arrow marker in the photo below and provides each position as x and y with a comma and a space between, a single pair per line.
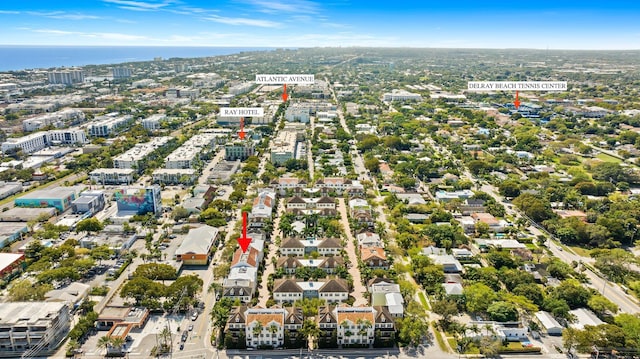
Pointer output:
244, 241
517, 101
241, 134
284, 93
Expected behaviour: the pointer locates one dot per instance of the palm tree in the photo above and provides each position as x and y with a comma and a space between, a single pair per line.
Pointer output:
311, 331
117, 342
257, 329
364, 325
489, 329
475, 329
104, 342
165, 334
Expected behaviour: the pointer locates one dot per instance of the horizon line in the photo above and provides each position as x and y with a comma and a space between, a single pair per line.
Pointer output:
321, 47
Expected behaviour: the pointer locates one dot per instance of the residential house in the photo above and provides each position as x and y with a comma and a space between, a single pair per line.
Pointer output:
494, 224
241, 289
262, 209
385, 294
450, 264
369, 239
470, 206
374, 257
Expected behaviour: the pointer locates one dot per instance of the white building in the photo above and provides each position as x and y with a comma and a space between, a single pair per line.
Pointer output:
118, 73
112, 176
52, 119
264, 327
186, 156
356, 325
174, 176
28, 144
297, 113
284, 147
241, 88
401, 95
549, 323
153, 122
69, 136
132, 158
34, 324
107, 125
66, 77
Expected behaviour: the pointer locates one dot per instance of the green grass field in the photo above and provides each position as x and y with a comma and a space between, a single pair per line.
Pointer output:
605, 157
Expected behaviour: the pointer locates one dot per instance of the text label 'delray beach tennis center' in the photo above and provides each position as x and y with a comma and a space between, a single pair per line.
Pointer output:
517, 85
285, 79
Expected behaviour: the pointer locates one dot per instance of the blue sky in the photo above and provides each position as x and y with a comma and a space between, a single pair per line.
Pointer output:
559, 24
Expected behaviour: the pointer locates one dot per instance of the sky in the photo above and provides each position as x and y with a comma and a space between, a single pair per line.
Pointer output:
539, 24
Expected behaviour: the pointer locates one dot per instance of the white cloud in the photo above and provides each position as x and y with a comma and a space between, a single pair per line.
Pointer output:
63, 15
242, 21
9, 12
140, 5
93, 35
292, 6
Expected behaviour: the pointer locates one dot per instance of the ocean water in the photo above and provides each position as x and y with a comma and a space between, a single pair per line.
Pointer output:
13, 58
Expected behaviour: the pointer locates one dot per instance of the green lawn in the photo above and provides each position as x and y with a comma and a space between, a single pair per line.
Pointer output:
440, 340
605, 157
580, 251
423, 300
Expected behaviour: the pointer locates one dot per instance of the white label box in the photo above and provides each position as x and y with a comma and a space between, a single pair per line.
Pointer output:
285, 79
517, 86
242, 111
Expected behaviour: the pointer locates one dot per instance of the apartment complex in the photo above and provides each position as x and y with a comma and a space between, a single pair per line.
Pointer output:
41, 140
112, 176
186, 156
33, 328
284, 146
239, 150
107, 125
132, 158
66, 77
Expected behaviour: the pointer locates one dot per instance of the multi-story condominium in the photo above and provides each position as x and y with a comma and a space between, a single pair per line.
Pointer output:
284, 147
182, 92
56, 119
338, 184
241, 88
28, 144
41, 140
324, 206
120, 73
327, 264
186, 156
283, 184
153, 122
107, 125
33, 329
401, 95
69, 136
140, 152
300, 247
290, 291
66, 77
356, 325
112, 176
239, 150
297, 113
265, 327
175, 176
